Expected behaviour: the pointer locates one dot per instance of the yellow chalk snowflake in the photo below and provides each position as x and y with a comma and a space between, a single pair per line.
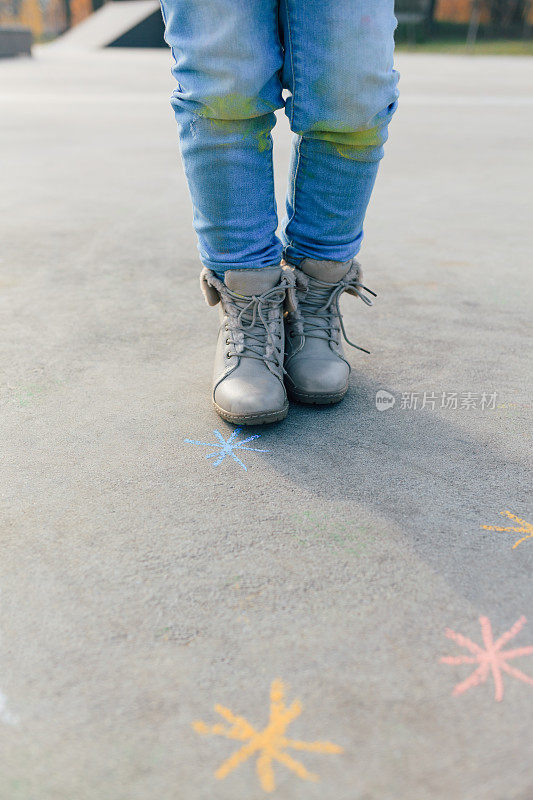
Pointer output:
527, 527
270, 744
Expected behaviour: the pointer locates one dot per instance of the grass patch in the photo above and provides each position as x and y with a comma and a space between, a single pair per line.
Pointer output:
502, 47
451, 38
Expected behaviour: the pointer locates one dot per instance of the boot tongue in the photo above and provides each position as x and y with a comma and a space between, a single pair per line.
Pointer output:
327, 271
246, 282
330, 273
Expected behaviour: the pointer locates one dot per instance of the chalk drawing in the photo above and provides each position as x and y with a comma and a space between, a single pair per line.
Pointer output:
339, 534
22, 395
6, 716
491, 659
269, 744
227, 448
525, 527
246, 594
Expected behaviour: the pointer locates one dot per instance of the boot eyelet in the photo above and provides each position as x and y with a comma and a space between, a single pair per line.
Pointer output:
228, 341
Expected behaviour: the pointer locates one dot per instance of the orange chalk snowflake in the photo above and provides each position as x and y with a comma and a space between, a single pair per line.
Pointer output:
269, 744
492, 659
527, 527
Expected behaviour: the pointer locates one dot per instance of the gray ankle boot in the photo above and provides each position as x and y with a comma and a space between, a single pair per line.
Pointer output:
248, 386
315, 366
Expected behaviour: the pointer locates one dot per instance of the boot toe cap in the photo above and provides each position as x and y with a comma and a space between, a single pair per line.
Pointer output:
242, 396
319, 376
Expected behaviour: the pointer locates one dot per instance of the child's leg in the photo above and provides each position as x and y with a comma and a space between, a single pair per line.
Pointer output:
227, 56
339, 68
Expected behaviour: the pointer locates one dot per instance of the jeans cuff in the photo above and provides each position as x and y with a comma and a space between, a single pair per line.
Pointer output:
294, 256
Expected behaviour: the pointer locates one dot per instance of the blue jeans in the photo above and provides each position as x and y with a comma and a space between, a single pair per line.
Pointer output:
232, 58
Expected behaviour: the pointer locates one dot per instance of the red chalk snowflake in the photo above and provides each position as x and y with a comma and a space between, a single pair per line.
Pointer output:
491, 659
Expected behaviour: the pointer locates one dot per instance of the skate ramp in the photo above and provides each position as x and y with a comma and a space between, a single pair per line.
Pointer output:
126, 23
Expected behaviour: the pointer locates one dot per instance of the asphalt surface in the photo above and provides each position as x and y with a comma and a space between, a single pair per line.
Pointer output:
142, 584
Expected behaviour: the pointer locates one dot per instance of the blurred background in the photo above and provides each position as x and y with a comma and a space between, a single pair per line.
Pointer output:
484, 26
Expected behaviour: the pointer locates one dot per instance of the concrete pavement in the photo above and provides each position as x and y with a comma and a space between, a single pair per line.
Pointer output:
141, 585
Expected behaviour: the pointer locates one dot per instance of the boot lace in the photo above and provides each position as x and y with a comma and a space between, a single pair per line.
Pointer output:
254, 324
322, 318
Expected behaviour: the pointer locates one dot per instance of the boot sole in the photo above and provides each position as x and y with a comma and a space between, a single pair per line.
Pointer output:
316, 399
259, 418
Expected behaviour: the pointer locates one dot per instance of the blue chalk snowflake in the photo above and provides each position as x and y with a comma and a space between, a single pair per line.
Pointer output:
227, 448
